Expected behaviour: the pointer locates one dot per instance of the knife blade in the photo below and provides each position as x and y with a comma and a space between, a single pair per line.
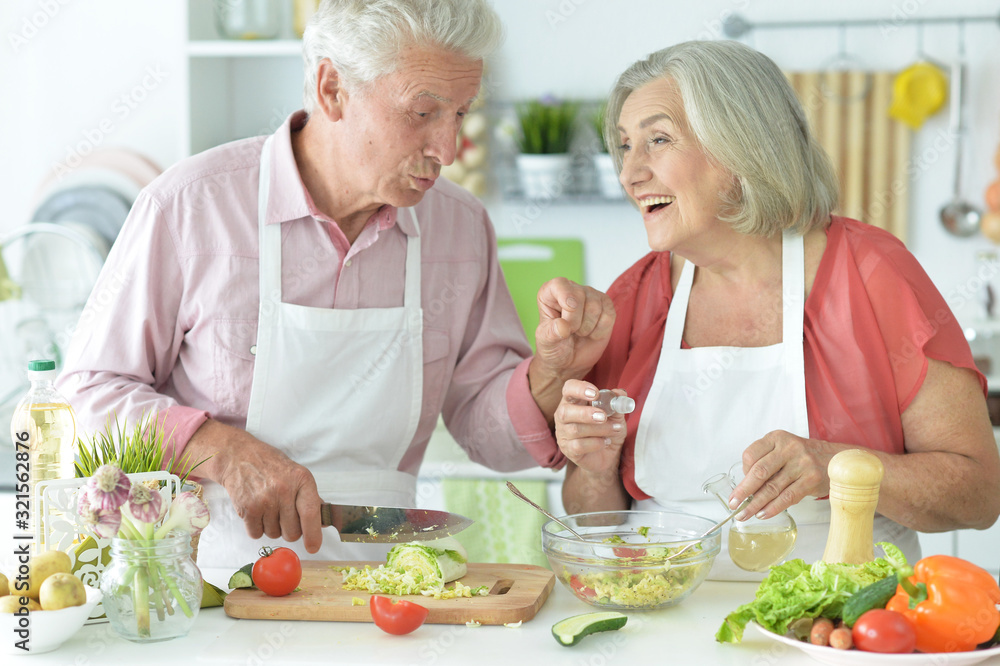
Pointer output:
387, 524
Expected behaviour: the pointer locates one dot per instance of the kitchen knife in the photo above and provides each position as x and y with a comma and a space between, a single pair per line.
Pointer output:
386, 524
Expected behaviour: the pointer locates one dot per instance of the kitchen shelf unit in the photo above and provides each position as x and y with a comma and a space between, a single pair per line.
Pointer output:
237, 88
242, 88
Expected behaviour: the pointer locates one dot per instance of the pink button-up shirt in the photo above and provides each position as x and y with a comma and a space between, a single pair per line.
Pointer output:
171, 324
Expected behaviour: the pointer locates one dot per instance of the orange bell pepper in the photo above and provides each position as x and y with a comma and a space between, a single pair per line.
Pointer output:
951, 603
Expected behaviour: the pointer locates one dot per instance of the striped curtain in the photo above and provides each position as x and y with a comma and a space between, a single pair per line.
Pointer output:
848, 112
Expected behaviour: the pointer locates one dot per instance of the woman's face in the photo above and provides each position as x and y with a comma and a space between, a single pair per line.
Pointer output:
676, 186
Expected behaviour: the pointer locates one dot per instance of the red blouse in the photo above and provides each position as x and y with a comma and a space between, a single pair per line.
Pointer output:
871, 321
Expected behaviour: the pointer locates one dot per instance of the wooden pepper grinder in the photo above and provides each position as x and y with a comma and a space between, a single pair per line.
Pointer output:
855, 476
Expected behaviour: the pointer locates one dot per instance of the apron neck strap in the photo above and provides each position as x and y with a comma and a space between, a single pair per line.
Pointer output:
411, 293
792, 294
270, 243
793, 288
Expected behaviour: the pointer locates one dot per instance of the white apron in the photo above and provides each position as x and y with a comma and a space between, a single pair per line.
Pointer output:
707, 404
339, 391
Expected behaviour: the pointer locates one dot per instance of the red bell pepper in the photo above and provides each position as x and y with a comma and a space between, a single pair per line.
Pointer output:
951, 603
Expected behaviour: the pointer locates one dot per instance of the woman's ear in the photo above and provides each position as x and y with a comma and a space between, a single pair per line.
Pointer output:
330, 93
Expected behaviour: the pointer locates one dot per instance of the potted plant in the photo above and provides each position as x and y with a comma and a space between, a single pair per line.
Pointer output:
546, 128
134, 450
607, 175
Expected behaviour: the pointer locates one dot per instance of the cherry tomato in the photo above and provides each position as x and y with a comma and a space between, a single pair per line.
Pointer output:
396, 617
277, 572
880, 630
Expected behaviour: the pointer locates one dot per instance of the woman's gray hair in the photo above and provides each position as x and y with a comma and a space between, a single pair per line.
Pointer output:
745, 115
363, 38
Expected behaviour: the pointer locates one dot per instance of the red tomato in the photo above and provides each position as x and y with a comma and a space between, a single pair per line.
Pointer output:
629, 553
277, 572
581, 589
880, 630
396, 617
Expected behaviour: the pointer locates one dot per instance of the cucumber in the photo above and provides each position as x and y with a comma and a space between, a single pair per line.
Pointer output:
571, 630
242, 578
876, 595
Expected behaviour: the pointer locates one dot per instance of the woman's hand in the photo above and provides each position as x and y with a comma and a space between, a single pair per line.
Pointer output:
781, 469
591, 439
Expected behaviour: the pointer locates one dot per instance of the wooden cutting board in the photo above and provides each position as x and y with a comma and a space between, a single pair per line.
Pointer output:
517, 591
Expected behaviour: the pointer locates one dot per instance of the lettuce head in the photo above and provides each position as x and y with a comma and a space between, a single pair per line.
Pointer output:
796, 589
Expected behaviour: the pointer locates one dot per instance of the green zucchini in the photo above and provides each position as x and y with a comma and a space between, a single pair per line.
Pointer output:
571, 630
876, 595
242, 578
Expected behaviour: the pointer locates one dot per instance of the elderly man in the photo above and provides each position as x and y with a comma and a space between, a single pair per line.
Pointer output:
300, 308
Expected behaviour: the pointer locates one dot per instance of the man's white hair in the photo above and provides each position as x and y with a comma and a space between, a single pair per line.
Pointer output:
363, 38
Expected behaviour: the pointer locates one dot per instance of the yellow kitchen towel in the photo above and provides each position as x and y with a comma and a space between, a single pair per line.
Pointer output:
506, 529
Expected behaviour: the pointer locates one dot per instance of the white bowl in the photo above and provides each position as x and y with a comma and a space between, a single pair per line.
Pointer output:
47, 630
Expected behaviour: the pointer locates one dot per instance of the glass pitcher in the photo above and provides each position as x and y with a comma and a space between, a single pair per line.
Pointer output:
754, 544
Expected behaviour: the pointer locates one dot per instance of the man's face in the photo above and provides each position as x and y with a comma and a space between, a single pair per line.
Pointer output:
401, 129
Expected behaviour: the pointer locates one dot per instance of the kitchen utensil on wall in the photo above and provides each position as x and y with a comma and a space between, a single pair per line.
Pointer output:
958, 216
919, 91
857, 87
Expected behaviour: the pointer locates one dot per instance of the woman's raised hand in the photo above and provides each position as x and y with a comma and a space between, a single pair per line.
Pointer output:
586, 435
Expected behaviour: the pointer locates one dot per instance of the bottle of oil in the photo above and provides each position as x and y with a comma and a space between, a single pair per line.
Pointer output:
45, 424
753, 544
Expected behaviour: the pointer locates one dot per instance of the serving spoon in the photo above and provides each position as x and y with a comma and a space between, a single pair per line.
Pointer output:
958, 216
714, 527
521, 496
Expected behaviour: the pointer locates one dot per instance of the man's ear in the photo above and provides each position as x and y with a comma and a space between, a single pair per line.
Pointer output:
330, 93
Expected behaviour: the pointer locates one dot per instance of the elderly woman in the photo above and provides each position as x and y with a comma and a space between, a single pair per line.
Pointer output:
762, 329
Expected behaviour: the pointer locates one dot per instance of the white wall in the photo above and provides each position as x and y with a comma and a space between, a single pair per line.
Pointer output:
79, 57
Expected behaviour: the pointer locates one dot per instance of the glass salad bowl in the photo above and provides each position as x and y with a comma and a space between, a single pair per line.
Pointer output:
622, 563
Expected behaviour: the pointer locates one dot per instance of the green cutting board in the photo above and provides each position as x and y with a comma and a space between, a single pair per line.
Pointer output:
528, 263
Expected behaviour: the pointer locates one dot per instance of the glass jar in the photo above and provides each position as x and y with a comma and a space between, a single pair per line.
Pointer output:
248, 19
152, 589
302, 11
753, 544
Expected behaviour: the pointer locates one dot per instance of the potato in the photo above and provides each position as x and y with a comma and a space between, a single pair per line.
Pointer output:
62, 590
12, 604
40, 567
4, 585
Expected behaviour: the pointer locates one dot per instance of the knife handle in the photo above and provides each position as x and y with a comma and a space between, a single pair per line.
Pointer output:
325, 519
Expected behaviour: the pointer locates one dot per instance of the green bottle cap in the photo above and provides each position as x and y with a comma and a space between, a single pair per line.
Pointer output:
41, 365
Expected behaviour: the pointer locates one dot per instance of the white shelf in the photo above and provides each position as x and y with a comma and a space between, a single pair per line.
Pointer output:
225, 48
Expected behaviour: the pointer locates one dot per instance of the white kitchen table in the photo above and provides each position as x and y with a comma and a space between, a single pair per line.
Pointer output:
680, 635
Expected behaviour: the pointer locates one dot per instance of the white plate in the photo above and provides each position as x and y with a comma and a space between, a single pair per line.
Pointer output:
829, 655
137, 168
96, 206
